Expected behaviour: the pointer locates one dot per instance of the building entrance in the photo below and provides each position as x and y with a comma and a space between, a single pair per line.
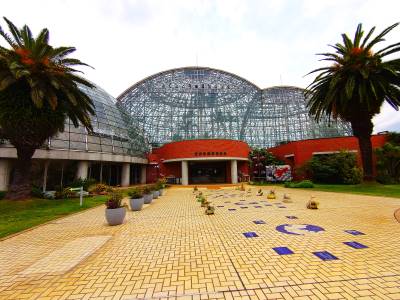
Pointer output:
207, 172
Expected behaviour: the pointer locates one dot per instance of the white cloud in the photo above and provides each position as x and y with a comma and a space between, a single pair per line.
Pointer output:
262, 41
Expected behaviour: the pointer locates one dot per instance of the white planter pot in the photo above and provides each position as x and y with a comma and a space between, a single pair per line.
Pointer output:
115, 216
136, 204
155, 194
148, 198
161, 192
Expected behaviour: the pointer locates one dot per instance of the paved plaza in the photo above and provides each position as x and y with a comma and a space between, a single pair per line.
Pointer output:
252, 248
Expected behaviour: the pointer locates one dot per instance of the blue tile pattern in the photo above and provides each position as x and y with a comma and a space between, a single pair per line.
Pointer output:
283, 250
250, 234
325, 255
354, 232
355, 245
259, 222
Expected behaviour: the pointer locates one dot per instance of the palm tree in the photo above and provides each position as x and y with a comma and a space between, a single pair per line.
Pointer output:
38, 91
356, 84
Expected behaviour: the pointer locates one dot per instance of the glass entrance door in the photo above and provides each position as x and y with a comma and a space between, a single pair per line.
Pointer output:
207, 172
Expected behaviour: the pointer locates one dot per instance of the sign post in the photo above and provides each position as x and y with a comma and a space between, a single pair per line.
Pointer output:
80, 189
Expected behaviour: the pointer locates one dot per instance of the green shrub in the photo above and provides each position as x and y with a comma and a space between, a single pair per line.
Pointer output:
65, 194
146, 190
305, 184
2, 194
99, 188
135, 193
86, 183
334, 168
388, 162
37, 192
114, 200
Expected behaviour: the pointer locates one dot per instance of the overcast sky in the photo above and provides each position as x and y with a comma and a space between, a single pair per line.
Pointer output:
267, 42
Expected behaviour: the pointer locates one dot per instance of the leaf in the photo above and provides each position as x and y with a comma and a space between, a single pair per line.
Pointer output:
52, 99
6, 82
37, 97
349, 87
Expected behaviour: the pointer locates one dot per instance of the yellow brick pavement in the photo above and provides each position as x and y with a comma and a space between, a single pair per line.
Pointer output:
171, 250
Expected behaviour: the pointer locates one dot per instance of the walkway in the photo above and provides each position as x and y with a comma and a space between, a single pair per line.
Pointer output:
172, 250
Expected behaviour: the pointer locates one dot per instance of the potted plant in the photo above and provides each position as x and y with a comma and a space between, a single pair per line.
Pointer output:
115, 211
204, 202
161, 183
155, 191
210, 210
147, 195
136, 199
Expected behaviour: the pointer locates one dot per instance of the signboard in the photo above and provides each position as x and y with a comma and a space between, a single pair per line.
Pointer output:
278, 173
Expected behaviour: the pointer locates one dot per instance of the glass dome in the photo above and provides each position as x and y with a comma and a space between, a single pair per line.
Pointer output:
113, 130
198, 103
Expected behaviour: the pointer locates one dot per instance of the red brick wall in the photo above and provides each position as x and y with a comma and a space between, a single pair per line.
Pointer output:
189, 148
303, 150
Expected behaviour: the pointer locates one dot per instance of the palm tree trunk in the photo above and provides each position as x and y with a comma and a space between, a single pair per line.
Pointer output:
362, 129
20, 188
366, 155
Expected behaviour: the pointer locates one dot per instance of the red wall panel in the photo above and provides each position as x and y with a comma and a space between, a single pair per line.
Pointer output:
303, 150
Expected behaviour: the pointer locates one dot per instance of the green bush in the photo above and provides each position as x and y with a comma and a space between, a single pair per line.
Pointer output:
388, 161
86, 183
339, 168
65, 194
37, 192
99, 188
114, 200
305, 184
135, 193
2, 194
146, 190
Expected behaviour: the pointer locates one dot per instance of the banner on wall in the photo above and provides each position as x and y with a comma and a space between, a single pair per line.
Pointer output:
278, 173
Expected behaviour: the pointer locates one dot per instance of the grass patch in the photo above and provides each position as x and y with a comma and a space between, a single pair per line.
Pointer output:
372, 189
16, 216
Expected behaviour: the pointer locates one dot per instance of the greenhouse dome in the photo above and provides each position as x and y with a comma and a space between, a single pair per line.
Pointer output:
113, 130
203, 103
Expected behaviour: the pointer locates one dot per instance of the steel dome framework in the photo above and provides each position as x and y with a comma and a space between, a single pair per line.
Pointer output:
204, 103
113, 130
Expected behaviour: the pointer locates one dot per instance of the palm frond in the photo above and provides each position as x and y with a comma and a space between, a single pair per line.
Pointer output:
379, 37
15, 32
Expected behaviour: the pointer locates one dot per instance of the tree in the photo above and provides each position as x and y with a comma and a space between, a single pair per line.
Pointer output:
38, 91
354, 87
388, 160
259, 159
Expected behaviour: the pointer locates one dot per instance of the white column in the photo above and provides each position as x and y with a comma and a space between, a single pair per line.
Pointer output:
234, 172
83, 168
185, 173
125, 174
143, 174
46, 168
4, 174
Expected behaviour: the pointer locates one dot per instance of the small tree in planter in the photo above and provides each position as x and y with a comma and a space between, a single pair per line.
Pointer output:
154, 190
162, 183
147, 195
210, 210
159, 187
136, 199
204, 202
115, 211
